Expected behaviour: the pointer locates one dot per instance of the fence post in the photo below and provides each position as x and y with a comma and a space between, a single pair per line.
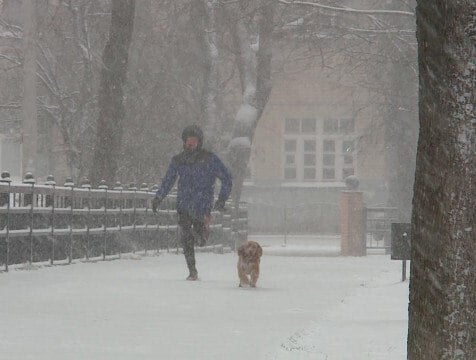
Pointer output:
285, 213
154, 189
132, 186
87, 185
118, 187
29, 200
50, 201
103, 186
226, 218
353, 239
5, 200
144, 188
69, 183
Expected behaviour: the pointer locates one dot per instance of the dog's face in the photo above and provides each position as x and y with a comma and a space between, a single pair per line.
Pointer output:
250, 251
249, 255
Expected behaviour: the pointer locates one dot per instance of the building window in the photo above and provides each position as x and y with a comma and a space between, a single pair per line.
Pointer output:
308, 125
328, 174
330, 126
309, 159
329, 146
310, 146
290, 147
318, 150
348, 157
290, 173
291, 126
290, 159
328, 159
347, 172
305, 126
347, 146
346, 126
309, 173
339, 126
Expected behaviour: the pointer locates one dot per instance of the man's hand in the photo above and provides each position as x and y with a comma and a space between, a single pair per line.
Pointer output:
155, 204
219, 205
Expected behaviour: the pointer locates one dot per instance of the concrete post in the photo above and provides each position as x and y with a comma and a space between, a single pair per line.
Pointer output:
353, 219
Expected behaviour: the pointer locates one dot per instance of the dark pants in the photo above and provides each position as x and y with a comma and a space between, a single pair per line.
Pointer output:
191, 228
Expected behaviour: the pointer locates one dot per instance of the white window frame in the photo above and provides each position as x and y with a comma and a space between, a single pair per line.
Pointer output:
319, 137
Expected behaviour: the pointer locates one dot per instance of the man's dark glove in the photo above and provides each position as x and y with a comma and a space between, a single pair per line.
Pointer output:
219, 205
155, 204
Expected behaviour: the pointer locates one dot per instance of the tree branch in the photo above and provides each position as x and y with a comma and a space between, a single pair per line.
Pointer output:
382, 31
346, 9
12, 105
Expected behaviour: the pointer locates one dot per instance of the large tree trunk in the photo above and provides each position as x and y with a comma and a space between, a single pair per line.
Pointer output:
442, 311
111, 108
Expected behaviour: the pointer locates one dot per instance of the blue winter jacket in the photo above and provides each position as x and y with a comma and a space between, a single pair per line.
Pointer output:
197, 173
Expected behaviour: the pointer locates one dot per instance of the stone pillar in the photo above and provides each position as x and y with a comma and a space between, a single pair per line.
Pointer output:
353, 220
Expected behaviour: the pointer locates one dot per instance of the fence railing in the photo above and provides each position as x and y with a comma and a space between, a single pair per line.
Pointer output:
378, 226
51, 223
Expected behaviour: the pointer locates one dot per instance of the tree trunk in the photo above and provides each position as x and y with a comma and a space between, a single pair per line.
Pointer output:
213, 122
442, 311
29, 123
111, 108
253, 44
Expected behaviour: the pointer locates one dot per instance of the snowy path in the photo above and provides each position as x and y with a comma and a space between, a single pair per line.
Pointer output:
144, 309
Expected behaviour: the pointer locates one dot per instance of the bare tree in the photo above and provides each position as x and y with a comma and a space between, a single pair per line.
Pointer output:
69, 34
68, 64
165, 91
210, 96
442, 311
251, 30
111, 107
30, 118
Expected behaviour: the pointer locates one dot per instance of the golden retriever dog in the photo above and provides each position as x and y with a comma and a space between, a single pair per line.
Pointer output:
249, 255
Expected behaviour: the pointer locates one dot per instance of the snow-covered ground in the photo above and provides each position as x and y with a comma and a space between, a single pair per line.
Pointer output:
305, 307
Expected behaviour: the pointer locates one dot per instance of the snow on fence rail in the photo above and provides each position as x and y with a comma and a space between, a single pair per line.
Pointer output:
50, 222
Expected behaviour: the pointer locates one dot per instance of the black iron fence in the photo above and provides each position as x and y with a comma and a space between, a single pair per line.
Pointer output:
46, 222
378, 227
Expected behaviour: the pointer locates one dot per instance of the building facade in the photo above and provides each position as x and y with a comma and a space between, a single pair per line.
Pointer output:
319, 127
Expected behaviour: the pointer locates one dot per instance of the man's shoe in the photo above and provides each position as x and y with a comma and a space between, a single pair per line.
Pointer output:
192, 277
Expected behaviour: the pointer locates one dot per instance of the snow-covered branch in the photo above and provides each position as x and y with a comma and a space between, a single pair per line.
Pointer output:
11, 59
383, 31
347, 9
12, 105
12, 31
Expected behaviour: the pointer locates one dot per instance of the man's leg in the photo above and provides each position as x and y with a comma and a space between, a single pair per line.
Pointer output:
202, 229
187, 240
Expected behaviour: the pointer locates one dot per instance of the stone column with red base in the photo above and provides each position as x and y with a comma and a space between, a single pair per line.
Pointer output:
353, 220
